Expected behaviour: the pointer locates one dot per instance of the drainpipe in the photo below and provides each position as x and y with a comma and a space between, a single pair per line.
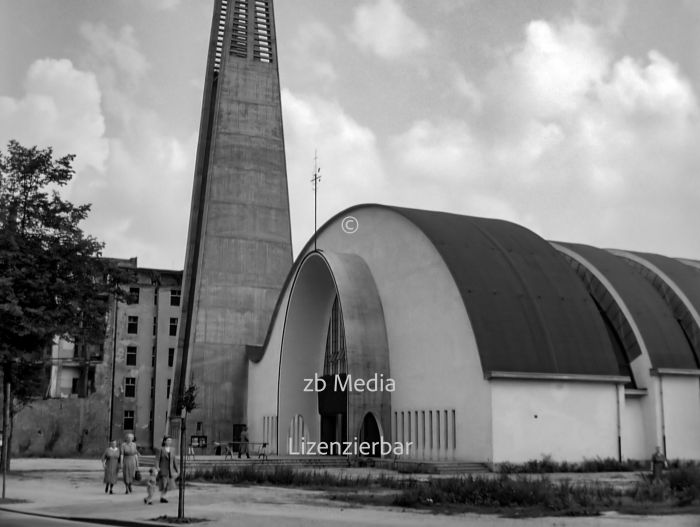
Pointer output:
663, 418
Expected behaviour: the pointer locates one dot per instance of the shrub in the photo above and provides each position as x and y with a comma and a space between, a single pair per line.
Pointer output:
509, 492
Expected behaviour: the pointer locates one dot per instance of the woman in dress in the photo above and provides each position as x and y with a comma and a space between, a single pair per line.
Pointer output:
130, 461
166, 463
110, 463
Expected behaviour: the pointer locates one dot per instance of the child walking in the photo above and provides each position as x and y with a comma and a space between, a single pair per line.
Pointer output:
151, 485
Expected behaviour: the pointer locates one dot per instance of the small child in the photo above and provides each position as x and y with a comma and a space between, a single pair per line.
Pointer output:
151, 485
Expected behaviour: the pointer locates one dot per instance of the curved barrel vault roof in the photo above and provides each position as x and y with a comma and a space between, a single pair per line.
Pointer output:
529, 311
678, 284
649, 316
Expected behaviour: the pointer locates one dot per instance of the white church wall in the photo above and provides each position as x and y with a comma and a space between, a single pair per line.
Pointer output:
567, 420
263, 386
433, 355
681, 414
634, 436
649, 405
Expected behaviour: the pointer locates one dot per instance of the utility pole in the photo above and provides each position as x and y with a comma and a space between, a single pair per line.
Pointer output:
114, 362
187, 403
315, 181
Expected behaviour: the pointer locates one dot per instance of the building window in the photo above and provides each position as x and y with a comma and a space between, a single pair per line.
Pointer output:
134, 294
171, 356
153, 357
130, 387
75, 385
78, 350
167, 390
173, 327
153, 387
131, 355
155, 296
132, 326
128, 419
175, 297
155, 326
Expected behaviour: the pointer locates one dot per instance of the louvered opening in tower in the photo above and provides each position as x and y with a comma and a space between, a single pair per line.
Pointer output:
220, 30
239, 29
262, 35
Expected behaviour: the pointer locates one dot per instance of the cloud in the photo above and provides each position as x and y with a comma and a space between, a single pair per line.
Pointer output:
310, 52
115, 55
572, 141
383, 28
61, 107
448, 151
351, 168
141, 200
161, 5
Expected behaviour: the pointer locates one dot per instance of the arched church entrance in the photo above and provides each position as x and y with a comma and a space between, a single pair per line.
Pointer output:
334, 333
370, 433
332, 403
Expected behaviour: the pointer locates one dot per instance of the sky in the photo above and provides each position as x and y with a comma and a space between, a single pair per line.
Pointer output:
579, 120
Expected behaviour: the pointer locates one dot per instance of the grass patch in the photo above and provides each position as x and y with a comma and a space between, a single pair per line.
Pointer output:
517, 495
175, 519
507, 492
8, 501
546, 465
284, 476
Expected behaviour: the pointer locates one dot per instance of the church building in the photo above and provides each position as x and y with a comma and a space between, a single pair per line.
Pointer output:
410, 333
435, 336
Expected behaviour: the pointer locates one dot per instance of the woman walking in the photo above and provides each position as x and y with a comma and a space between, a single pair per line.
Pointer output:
130, 461
110, 463
166, 463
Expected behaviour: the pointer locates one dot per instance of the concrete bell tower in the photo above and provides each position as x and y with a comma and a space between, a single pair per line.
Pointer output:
239, 246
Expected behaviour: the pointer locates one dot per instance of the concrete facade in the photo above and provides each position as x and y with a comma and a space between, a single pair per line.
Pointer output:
145, 356
445, 403
127, 376
239, 241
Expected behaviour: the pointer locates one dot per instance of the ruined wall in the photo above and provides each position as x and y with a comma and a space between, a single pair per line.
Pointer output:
62, 428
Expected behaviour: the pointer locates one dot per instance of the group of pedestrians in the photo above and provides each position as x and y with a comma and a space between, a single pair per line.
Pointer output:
126, 458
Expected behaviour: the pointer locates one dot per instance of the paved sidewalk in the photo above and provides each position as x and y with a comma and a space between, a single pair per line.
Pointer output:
73, 489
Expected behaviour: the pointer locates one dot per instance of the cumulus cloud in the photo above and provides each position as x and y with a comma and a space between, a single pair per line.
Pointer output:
351, 168
115, 55
161, 5
573, 141
445, 151
141, 201
383, 28
311, 47
61, 107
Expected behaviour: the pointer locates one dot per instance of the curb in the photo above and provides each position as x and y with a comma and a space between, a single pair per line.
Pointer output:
101, 521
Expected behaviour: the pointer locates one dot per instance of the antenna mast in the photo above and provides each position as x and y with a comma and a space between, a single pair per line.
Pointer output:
314, 181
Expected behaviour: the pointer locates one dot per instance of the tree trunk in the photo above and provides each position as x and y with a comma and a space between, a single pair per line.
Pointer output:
183, 455
10, 432
6, 401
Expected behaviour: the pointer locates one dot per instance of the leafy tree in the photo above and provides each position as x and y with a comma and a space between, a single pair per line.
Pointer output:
185, 404
53, 282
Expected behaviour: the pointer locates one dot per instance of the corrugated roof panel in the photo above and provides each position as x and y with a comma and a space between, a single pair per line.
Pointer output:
659, 329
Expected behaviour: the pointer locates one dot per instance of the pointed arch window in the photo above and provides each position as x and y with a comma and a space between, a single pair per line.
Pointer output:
335, 359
